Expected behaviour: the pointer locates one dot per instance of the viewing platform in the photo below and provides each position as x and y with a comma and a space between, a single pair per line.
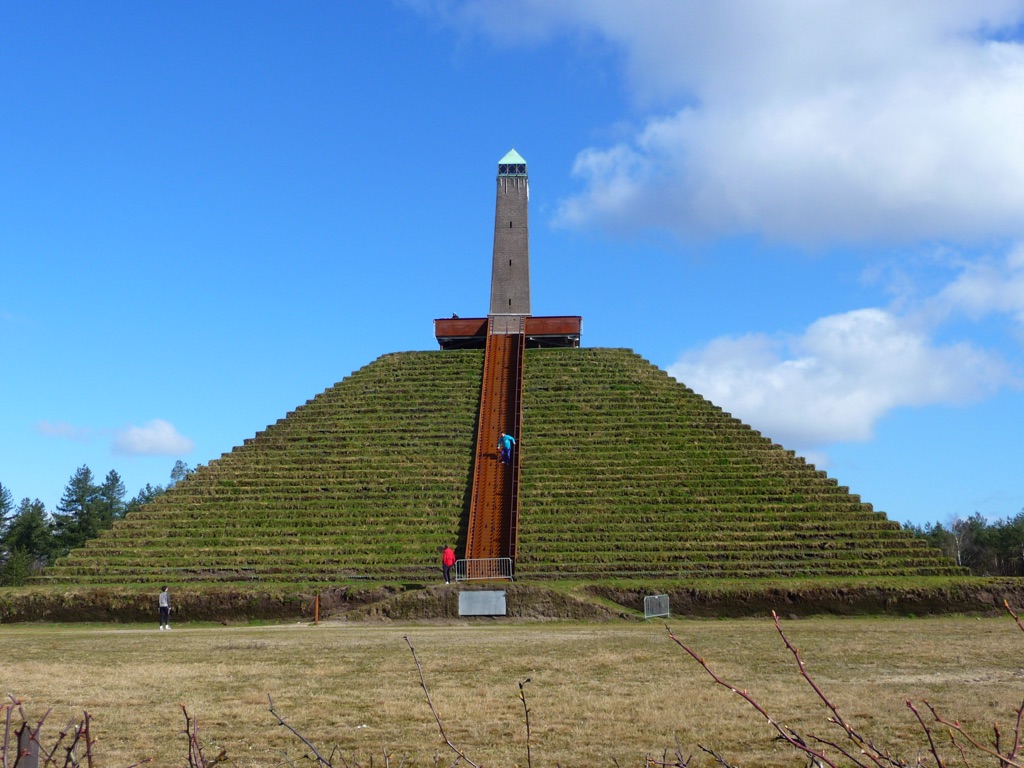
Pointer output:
541, 332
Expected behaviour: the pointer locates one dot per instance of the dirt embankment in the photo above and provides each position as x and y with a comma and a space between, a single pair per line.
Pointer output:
188, 603
521, 601
982, 596
416, 602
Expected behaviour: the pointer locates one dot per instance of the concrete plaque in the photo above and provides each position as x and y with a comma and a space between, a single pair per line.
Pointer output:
481, 603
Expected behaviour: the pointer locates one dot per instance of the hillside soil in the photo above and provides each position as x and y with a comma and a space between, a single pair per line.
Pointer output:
564, 600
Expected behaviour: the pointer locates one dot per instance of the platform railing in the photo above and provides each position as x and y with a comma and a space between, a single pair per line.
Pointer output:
484, 569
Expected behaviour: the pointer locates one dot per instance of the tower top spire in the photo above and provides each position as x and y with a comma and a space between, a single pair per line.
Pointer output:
512, 164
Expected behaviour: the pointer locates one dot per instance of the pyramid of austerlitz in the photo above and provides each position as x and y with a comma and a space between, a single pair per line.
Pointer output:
617, 471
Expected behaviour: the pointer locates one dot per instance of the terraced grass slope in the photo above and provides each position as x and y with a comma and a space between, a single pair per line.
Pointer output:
624, 472
366, 479
627, 472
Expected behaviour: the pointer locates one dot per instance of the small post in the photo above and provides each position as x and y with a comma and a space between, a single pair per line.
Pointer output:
28, 749
316, 609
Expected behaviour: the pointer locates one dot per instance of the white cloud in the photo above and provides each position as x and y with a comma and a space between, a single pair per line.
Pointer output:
155, 438
809, 122
838, 379
817, 123
989, 286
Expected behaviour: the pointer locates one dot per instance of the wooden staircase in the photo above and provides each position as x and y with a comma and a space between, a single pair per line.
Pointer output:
494, 511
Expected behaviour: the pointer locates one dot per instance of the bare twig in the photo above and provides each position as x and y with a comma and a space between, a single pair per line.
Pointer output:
955, 727
841, 750
717, 757
89, 741
927, 732
875, 755
785, 733
320, 759
679, 760
73, 732
437, 717
962, 751
1015, 750
526, 714
196, 755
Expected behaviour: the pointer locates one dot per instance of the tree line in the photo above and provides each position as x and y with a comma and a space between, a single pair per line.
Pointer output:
986, 547
31, 537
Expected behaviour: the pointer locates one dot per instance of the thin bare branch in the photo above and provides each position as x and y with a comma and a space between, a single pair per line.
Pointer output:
877, 756
437, 717
281, 721
717, 757
526, 714
838, 748
781, 730
86, 721
955, 727
960, 749
927, 732
1015, 750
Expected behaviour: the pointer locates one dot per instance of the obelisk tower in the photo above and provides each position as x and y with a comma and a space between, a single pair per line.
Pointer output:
510, 269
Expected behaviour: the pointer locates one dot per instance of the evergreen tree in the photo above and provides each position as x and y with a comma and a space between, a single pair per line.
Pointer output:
179, 472
111, 496
87, 508
78, 514
144, 496
30, 531
6, 506
1011, 545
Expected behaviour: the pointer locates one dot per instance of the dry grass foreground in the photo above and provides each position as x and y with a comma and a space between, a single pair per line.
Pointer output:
597, 692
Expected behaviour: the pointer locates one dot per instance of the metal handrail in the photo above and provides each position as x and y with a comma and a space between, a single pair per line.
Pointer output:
484, 569
513, 544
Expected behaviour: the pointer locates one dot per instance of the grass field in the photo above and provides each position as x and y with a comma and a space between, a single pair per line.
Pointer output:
596, 692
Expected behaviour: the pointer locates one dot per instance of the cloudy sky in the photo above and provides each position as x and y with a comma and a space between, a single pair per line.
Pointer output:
810, 212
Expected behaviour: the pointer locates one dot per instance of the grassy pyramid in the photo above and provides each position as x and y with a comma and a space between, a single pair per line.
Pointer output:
626, 473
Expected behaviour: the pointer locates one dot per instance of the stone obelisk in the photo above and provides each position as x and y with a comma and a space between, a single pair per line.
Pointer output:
510, 312
510, 268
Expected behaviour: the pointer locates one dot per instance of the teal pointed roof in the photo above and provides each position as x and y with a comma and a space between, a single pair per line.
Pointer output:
512, 157
512, 164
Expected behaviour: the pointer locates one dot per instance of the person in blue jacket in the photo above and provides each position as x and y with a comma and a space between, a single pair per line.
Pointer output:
505, 443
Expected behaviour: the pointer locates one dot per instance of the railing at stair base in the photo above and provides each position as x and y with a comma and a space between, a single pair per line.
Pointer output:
484, 569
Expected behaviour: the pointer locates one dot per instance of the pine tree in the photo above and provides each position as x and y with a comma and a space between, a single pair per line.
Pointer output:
6, 506
111, 496
30, 530
77, 517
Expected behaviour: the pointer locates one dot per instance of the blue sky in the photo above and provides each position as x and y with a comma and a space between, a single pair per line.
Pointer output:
810, 212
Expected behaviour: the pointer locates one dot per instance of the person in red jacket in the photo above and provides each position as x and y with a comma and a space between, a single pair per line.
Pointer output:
447, 561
